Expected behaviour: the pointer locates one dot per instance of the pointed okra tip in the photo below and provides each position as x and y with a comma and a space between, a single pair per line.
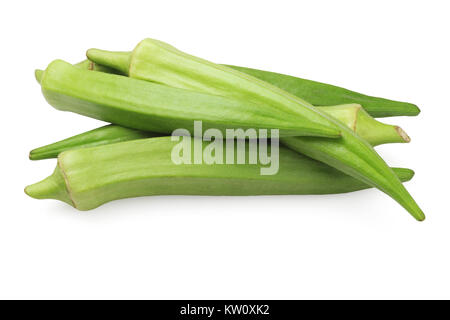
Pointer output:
39, 154
415, 110
417, 213
404, 174
33, 155
420, 217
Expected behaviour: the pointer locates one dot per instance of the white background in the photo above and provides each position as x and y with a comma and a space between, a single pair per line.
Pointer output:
360, 245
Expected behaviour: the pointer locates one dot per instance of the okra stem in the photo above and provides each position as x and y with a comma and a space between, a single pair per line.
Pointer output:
89, 65
38, 75
52, 187
371, 130
119, 58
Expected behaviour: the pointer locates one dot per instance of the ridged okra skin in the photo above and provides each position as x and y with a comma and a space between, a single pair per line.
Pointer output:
352, 115
316, 93
177, 69
154, 60
100, 136
155, 107
89, 177
322, 94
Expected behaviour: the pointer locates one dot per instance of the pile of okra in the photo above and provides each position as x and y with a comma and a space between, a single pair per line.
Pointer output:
182, 125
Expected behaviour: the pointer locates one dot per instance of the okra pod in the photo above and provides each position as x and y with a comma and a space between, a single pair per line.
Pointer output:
316, 93
104, 135
177, 69
159, 108
88, 177
156, 61
322, 94
352, 115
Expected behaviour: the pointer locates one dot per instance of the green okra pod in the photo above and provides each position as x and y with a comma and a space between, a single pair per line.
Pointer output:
154, 107
322, 94
180, 70
153, 60
104, 135
88, 177
352, 115
316, 93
